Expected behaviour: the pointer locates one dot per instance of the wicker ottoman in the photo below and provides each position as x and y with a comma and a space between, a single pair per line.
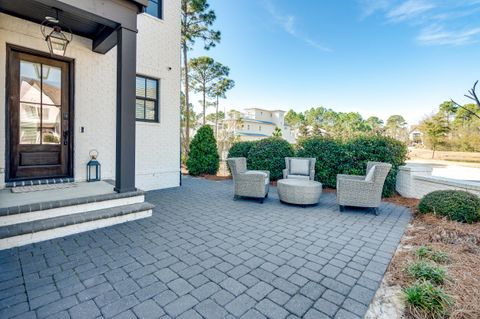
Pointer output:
299, 191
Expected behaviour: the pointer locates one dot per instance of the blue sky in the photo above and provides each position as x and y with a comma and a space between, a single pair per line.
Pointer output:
376, 57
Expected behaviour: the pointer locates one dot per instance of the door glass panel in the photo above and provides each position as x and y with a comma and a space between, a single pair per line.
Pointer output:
149, 110
151, 89
51, 88
40, 103
30, 123
51, 125
30, 82
140, 109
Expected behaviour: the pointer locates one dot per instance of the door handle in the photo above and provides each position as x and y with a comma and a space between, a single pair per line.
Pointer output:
65, 137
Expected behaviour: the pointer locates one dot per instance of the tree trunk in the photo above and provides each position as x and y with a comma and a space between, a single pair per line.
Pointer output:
216, 121
204, 106
433, 153
187, 104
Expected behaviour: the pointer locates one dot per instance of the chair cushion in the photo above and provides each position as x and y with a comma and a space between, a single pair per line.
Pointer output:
259, 173
299, 166
371, 173
298, 177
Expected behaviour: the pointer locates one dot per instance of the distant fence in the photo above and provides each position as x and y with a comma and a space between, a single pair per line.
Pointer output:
415, 182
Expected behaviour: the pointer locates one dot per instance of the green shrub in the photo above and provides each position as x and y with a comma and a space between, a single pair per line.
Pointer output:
378, 149
455, 205
351, 157
331, 158
203, 156
427, 271
240, 149
269, 154
434, 255
427, 301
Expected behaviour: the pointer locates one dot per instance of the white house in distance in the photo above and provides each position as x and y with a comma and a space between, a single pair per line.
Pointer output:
258, 123
114, 90
415, 136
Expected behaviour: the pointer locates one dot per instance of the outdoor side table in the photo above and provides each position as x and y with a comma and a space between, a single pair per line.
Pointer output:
299, 191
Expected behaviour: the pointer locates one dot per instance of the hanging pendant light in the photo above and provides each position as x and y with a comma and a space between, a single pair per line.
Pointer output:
57, 39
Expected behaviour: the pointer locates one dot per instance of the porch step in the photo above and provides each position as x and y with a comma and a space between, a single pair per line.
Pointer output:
50, 209
24, 233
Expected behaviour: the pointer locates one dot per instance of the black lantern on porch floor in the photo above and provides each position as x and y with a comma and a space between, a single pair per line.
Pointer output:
93, 167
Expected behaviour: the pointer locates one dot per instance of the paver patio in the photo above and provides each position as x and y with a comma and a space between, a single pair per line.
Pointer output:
203, 255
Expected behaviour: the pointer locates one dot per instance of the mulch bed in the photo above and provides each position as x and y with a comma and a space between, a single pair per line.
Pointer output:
460, 241
216, 177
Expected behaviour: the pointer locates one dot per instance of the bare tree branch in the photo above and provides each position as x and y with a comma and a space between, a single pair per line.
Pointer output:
473, 94
469, 111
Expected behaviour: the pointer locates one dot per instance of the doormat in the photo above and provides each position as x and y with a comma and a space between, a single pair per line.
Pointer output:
37, 188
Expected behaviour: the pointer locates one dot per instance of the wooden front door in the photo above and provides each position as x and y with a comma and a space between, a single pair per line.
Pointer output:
39, 116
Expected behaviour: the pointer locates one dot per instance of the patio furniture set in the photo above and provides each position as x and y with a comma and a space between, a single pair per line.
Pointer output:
299, 187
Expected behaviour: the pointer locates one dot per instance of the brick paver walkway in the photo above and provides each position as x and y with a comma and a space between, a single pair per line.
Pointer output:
203, 255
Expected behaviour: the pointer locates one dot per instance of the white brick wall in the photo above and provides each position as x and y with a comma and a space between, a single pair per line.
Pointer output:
416, 182
158, 144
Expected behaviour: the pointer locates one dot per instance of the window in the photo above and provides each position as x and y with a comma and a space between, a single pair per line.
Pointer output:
40, 103
259, 128
248, 127
146, 106
155, 8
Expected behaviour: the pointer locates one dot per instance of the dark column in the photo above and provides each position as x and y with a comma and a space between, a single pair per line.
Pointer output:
125, 144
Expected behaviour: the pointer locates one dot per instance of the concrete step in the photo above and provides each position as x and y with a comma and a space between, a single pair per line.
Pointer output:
19, 234
50, 209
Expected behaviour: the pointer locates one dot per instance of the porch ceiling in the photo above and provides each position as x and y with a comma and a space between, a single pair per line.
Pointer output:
96, 20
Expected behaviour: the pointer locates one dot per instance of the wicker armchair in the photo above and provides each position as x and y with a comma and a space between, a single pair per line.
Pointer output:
363, 191
248, 183
299, 172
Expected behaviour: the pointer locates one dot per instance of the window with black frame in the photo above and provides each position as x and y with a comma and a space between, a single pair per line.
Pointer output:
147, 93
155, 8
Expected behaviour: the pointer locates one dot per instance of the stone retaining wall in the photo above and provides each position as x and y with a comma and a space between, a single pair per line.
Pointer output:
415, 182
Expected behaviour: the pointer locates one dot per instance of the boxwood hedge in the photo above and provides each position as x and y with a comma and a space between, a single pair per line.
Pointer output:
240, 149
460, 206
269, 154
333, 156
351, 157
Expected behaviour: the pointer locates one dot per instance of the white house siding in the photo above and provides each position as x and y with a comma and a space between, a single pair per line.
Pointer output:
158, 144
157, 159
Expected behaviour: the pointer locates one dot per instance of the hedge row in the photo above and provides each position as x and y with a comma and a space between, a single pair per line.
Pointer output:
267, 154
456, 205
333, 156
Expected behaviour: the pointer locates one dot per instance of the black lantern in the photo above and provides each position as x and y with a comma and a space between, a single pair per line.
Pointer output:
57, 39
93, 167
